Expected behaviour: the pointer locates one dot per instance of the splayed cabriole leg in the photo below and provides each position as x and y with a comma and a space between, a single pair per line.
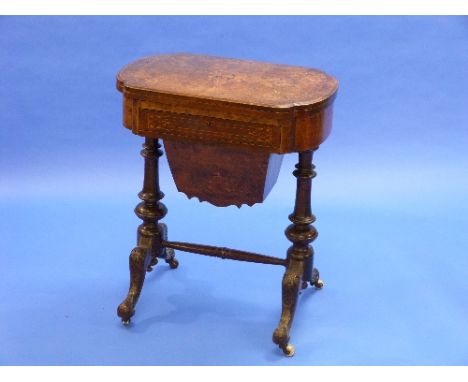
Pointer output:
139, 261
150, 233
300, 255
167, 253
290, 285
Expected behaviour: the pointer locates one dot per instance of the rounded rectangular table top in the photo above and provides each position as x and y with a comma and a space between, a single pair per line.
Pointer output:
227, 102
228, 80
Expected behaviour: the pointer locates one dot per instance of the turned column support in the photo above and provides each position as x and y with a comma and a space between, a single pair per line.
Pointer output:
150, 233
300, 255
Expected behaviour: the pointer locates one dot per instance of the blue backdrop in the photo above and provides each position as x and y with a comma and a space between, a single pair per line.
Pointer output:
390, 199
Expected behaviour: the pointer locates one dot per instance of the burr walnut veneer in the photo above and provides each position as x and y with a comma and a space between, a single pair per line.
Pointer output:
225, 124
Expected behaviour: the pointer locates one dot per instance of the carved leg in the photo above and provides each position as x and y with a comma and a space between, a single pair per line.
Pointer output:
153, 252
150, 234
300, 255
138, 263
307, 275
311, 275
291, 282
167, 253
170, 259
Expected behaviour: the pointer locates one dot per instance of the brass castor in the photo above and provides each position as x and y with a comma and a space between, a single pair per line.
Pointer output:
126, 322
289, 350
318, 284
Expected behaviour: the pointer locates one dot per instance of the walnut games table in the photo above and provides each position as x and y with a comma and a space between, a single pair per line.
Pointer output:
225, 124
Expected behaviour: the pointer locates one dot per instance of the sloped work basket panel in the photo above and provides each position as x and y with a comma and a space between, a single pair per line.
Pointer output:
222, 176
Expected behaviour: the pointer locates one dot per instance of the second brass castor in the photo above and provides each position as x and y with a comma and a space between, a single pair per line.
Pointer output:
319, 284
289, 350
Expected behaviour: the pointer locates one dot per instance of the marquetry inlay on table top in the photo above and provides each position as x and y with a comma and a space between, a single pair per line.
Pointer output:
240, 103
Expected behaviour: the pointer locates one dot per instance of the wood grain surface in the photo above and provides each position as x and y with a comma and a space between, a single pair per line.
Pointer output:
228, 102
230, 80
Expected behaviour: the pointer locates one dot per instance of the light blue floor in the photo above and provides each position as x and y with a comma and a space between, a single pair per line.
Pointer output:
390, 199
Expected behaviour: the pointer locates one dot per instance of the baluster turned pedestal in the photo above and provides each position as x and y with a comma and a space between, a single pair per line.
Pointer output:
150, 233
300, 255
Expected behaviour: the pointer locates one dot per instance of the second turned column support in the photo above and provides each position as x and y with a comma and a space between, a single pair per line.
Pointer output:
300, 255
150, 233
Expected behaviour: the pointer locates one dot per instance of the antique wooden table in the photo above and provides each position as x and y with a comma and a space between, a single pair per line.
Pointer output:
225, 124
